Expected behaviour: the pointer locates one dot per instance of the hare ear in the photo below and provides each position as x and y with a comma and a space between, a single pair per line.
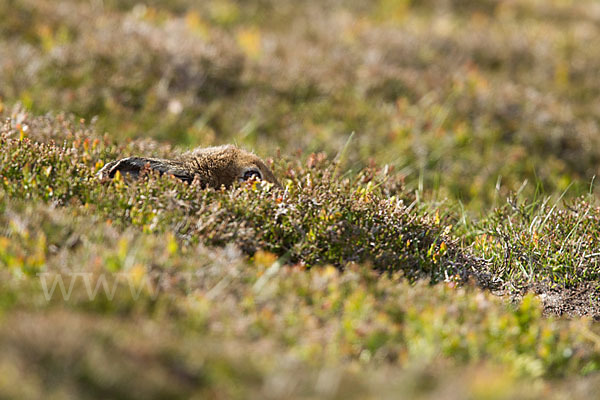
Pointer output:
134, 165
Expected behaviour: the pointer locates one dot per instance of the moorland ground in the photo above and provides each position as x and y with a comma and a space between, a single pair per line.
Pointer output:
438, 234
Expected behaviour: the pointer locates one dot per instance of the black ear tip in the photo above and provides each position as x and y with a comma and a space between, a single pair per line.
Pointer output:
133, 166
107, 171
130, 165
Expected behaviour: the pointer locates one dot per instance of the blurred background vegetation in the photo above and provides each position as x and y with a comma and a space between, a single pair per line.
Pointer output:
467, 99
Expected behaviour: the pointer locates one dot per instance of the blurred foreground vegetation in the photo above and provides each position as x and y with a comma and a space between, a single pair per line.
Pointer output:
438, 235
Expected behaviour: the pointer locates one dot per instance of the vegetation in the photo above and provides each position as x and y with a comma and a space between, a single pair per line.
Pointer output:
439, 230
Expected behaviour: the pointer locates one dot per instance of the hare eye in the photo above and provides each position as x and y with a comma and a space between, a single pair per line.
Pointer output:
251, 174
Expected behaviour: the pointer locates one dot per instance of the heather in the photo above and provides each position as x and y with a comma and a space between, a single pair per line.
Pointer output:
437, 234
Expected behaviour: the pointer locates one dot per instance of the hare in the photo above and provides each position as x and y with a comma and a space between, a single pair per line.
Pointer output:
211, 167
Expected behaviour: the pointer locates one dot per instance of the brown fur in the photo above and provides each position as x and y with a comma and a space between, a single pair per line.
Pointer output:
212, 167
